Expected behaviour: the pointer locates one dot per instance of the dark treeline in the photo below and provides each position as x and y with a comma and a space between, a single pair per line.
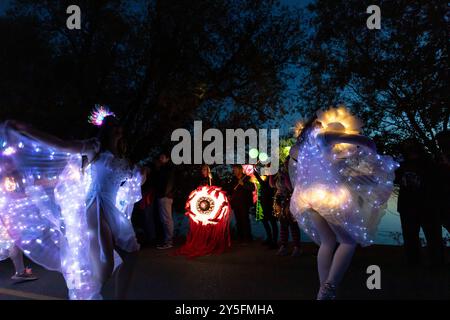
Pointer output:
395, 79
162, 64
158, 64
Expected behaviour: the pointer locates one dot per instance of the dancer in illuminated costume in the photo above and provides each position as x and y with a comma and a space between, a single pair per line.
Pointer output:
74, 218
8, 249
341, 189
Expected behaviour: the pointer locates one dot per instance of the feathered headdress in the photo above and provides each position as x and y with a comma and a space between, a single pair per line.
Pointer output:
339, 119
98, 114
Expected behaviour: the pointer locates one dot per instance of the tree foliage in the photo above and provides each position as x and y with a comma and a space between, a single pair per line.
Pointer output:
395, 79
159, 64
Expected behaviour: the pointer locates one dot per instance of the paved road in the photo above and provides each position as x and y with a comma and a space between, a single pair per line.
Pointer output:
248, 272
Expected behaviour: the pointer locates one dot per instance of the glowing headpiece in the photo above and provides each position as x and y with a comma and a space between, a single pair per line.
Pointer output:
98, 114
339, 119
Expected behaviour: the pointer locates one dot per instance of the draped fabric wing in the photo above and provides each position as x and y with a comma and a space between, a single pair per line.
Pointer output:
42, 207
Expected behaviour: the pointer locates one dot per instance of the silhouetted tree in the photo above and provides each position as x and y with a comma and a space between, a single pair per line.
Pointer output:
394, 78
159, 64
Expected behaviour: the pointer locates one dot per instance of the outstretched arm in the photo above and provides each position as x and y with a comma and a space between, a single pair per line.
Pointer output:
63, 145
331, 138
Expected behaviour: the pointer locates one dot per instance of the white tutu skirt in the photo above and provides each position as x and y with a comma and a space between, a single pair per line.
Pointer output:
349, 193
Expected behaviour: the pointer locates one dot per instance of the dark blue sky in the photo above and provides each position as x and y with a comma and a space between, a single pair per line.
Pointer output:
3, 5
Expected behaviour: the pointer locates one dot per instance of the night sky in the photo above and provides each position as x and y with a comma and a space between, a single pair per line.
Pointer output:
3, 5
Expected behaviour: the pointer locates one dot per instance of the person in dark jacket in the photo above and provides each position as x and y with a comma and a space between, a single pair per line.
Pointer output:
145, 218
241, 191
266, 194
164, 192
415, 179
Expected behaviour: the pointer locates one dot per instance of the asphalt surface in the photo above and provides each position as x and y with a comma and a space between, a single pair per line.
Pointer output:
248, 272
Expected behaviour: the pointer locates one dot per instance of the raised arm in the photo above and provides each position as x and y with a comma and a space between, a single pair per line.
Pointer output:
248, 185
258, 177
144, 172
273, 181
331, 138
71, 146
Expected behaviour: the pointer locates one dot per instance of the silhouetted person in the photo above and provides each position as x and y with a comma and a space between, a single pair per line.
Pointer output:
266, 194
241, 201
205, 177
414, 205
146, 218
165, 187
281, 205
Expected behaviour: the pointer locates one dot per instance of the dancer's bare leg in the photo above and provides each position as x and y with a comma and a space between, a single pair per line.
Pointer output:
327, 246
103, 268
102, 265
125, 273
21, 273
342, 257
17, 260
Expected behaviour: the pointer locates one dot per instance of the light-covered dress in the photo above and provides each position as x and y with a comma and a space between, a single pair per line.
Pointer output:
47, 213
348, 185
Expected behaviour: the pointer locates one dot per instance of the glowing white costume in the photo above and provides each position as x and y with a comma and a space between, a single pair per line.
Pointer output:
45, 201
6, 243
348, 185
115, 187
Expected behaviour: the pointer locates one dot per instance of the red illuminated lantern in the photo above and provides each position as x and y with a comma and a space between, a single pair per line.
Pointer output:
209, 211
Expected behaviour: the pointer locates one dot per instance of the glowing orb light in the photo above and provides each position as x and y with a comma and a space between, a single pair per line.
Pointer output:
263, 157
253, 153
99, 114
